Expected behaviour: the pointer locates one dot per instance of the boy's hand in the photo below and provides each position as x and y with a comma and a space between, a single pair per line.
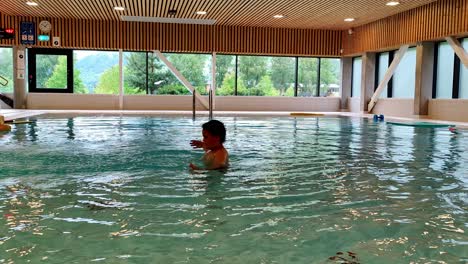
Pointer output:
193, 167
196, 143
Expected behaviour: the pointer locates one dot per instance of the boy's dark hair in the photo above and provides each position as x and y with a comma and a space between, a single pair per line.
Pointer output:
216, 128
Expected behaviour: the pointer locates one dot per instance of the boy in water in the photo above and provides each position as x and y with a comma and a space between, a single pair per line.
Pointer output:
216, 156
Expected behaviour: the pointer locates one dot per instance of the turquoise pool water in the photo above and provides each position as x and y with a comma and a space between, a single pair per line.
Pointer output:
111, 189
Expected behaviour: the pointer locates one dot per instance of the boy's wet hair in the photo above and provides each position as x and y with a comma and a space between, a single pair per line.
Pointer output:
216, 128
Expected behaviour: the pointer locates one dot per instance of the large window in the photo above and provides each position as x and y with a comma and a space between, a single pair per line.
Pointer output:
196, 68
356, 83
445, 65
253, 76
226, 74
307, 77
96, 72
329, 77
405, 76
6, 70
383, 63
463, 84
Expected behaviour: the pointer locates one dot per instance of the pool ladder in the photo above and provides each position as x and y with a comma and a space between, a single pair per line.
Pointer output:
210, 104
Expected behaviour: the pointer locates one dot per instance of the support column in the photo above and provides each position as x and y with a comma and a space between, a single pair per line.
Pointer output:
19, 77
346, 78
367, 79
424, 77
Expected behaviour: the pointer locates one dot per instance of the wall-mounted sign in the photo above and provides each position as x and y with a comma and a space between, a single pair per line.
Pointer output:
43, 37
28, 33
7, 33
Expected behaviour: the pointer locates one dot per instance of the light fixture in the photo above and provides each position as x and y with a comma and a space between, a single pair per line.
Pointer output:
201, 12
119, 8
393, 3
349, 19
278, 16
30, 3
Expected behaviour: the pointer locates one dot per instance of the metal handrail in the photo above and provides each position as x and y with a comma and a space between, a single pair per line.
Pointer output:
6, 81
193, 104
210, 104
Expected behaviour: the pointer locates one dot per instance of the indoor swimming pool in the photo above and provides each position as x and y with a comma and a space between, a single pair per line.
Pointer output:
118, 189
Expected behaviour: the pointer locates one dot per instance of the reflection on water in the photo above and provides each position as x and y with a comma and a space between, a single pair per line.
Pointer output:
299, 190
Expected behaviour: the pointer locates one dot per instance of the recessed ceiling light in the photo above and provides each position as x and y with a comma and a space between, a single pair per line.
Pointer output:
30, 3
278, 16
349, 19
393, 3
119, 8
201, 12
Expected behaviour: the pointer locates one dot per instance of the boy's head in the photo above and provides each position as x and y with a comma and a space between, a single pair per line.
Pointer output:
215, 129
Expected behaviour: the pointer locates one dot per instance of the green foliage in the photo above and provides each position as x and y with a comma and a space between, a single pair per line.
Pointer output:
59, 77
6, 69
228, 85
92, 66
135, 75
45, 66
307, 76
252, 69
109, 83
264, 88
329, 72
174, 89
282, 73
224, 64
191, 66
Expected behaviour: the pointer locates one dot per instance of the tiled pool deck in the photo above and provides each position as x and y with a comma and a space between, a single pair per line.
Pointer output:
11, 114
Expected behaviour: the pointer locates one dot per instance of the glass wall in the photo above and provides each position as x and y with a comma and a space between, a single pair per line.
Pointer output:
225, 74
463, 92
382, 69
96, 72
196, 68
445, 64
329, 77
307, 77
6, 70
405, 76
356, 84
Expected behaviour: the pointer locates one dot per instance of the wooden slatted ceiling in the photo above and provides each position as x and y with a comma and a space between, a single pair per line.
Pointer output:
112, 35
317, 14
430, 22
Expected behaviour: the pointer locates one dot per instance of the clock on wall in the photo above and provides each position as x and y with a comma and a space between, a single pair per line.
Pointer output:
45, 26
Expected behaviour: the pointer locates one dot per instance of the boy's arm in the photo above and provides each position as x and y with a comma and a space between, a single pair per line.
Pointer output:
197, 144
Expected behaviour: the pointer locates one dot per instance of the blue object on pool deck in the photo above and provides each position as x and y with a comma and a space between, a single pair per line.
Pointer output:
419, 124
378, 117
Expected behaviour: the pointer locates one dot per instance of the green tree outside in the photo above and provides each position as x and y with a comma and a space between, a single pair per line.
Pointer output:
58, 79
282, 73
109, 83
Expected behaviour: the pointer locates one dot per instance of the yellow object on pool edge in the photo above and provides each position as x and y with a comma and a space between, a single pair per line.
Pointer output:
305, 114
5, 128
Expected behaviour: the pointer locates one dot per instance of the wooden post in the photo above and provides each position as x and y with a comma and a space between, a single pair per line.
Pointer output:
424, 77
391, 69
458, 48
367, 79
346, 76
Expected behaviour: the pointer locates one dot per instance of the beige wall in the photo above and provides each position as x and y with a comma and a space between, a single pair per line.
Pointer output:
394, 107
72, 101
354, 104
174, 102
449, 109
